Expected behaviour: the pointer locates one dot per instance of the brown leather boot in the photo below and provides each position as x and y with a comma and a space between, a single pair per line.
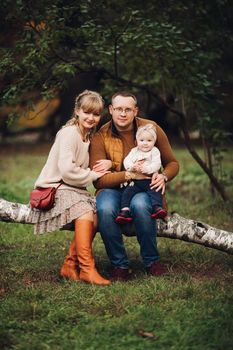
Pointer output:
69, 269
83, 240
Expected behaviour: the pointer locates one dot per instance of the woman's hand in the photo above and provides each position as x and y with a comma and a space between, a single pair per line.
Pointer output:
158, 182
102, 165
101, 173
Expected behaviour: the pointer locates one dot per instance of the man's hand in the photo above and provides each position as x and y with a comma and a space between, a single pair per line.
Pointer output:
102, 165
158, 182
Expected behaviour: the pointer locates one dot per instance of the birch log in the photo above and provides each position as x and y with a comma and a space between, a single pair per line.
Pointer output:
188, 230
176, 227
14, 212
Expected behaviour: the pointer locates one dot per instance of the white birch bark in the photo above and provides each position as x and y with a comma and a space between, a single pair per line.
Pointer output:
14, 212
176, 227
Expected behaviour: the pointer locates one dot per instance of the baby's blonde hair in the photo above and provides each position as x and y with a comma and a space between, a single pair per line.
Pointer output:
148, 128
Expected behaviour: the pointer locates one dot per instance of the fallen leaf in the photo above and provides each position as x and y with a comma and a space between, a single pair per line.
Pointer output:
142, 333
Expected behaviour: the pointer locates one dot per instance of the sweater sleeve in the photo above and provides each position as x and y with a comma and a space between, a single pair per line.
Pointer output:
129, 160
97, 152
153, 165
71, 173
169, 161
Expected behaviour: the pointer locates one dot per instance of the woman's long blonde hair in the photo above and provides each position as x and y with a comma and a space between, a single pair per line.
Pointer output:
89, 101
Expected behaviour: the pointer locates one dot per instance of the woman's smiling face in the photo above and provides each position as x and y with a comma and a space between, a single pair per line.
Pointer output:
87, 120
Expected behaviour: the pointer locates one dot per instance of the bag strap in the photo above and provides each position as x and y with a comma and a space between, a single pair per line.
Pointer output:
59, 185
55, 188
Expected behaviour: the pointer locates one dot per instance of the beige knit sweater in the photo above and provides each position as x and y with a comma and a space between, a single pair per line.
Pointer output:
67, 161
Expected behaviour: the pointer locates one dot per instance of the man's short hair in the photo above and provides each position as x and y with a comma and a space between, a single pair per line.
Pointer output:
125, 94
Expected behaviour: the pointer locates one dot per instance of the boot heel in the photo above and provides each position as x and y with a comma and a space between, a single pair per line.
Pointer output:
69, 272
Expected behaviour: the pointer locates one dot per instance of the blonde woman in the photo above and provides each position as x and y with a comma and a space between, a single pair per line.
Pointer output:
67, 164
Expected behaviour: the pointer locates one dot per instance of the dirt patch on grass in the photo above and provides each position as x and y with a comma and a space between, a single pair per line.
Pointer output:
205, 272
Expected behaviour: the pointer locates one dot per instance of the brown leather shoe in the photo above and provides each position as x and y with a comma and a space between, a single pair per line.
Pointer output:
119, 274
156, 269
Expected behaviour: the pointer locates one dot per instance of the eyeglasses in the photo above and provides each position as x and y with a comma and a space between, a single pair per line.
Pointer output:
121, 110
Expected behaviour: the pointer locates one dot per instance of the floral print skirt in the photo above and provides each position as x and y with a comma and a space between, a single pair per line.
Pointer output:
69, 205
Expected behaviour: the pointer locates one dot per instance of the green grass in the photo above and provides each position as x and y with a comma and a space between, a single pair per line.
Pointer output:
190, 309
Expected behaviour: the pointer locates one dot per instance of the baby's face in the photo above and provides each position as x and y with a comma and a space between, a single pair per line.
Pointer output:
145, 141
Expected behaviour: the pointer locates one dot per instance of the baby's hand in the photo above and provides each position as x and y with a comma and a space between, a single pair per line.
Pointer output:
138, 166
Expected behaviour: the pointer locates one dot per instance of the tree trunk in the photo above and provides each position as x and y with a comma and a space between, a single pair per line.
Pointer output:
176, 227
14, 212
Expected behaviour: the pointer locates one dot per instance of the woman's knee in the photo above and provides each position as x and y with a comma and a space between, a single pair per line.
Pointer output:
88, 216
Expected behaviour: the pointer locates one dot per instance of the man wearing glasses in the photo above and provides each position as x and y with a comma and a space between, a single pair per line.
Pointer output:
109, 146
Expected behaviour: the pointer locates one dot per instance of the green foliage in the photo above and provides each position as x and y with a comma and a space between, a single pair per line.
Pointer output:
167, 47
181, 45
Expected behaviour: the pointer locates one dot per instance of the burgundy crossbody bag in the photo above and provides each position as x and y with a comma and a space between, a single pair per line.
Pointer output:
43, 198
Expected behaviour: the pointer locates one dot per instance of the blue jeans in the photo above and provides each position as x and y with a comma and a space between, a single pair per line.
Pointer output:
108, 205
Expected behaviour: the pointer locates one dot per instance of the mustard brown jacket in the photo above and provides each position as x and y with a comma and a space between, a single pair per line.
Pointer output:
110, 144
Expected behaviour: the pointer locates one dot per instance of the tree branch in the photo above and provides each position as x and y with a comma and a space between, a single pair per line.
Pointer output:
56, 54
192, 231
176, 227
116, 39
